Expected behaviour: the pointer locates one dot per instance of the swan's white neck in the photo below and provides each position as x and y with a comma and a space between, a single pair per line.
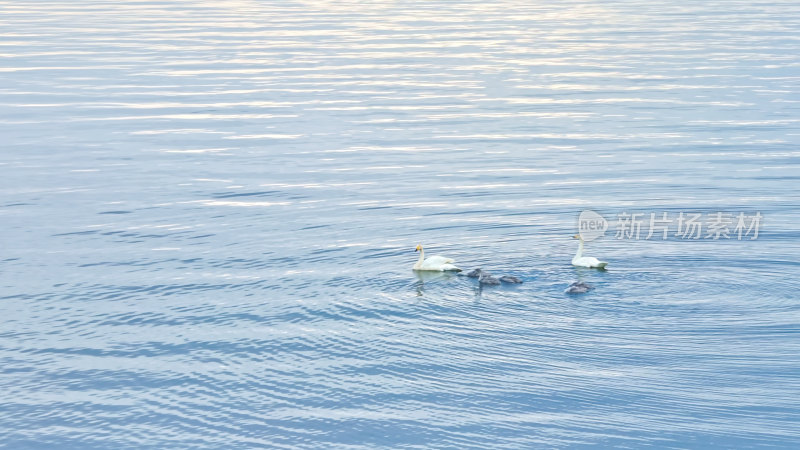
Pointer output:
580, 249
421, 257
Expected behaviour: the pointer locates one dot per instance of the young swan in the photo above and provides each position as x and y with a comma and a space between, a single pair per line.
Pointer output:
578, 287
586, 261
434, 263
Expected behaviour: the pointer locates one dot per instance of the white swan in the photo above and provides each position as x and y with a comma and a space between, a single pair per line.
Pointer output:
434, 263
586, 261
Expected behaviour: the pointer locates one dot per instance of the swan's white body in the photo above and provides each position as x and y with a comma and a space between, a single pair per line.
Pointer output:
434, 263
586, 261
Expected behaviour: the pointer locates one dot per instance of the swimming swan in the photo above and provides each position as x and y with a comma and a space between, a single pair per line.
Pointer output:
586, 261
487, 278
434, 263
578, 287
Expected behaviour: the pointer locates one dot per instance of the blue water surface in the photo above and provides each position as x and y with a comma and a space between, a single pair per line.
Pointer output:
209, 213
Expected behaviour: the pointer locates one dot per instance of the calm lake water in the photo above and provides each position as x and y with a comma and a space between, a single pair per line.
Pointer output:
209, 214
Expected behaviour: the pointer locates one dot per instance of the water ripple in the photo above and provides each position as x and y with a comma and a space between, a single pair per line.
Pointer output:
211, 210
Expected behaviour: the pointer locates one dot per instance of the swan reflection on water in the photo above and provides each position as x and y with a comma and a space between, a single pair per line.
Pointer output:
430, 277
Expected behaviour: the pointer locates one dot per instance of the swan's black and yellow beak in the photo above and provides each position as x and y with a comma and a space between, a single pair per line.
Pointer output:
577, 236
419, 247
